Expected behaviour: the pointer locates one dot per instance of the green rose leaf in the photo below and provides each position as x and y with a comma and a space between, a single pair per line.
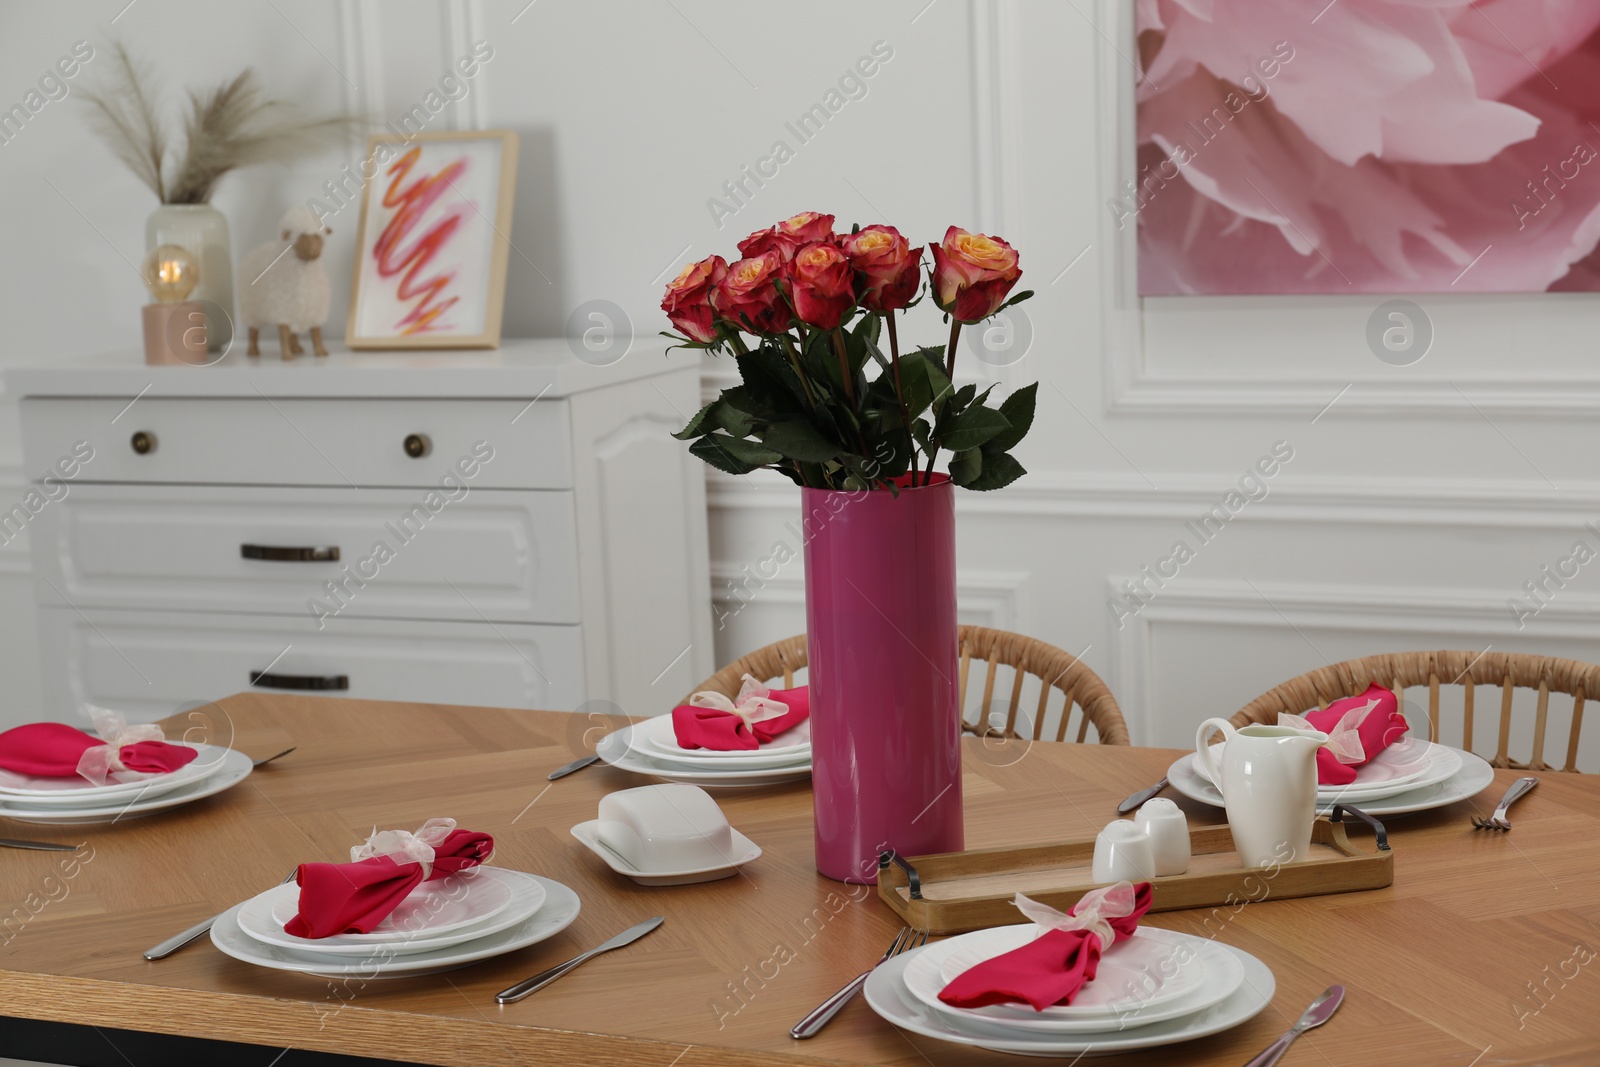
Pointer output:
1000, 469
972, 428
1018, 410
966, 466
798, 439
732, 454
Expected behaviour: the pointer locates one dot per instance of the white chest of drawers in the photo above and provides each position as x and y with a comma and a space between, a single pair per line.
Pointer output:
513, 528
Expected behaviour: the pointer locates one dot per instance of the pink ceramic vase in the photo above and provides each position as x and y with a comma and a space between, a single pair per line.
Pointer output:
885, 718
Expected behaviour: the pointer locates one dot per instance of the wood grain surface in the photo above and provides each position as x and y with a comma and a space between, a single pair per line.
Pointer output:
1482, 952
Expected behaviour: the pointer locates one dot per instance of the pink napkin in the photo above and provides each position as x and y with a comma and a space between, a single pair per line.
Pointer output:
712, 721
353, 898
1377, 729
1054, 967
54, 750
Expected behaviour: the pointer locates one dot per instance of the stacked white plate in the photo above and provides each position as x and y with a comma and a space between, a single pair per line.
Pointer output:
75, 802
1155, 988
651, 747
1410, 775
442, 925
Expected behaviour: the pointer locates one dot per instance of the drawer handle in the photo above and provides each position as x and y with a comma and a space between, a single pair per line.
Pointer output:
417, 445
291, 554
143, 442
269, 680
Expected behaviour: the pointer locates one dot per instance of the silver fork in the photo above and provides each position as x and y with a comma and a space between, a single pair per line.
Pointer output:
907, 939
1497, 821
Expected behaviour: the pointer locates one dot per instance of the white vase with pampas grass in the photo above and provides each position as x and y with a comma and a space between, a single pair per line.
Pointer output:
232, 126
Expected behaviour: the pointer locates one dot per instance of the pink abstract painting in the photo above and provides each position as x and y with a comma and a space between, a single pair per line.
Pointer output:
1366, 146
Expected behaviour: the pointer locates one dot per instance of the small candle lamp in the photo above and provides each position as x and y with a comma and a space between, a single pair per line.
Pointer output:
174, 326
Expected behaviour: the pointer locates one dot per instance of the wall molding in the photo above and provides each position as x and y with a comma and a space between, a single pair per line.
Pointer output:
1132, 387
1479, 617
999, 598
1479, 503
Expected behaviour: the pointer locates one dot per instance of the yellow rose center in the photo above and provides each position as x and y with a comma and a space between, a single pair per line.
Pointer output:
873, 240
982, 250
682, 280
748, 271
795, 222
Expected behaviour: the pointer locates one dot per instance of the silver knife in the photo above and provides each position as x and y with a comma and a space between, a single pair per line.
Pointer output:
575, 765
42, 846
544, 978
1320, 1011
1140, 797
177, 941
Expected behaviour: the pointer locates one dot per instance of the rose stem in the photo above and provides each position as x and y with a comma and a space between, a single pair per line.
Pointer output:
900, 393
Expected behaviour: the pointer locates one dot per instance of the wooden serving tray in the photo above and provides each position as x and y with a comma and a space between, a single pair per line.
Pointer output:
954, 892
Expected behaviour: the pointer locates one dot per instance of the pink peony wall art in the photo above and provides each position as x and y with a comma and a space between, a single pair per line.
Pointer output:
1366, 146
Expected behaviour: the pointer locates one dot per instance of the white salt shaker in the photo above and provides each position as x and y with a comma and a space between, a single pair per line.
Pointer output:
1123, 853
1168, 829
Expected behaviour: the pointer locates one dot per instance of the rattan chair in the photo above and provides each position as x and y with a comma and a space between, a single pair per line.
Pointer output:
1400, 670
1054, 669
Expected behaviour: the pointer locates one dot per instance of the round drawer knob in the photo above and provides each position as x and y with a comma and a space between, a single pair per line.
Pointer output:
417, 445
143, 442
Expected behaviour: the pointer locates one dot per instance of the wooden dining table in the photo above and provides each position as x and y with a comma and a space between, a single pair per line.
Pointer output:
1482, 952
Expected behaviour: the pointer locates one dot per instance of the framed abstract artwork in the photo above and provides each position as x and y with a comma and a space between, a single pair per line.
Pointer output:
1299, 148
433, 240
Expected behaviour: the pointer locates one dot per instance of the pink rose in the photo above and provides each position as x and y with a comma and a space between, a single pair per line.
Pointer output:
788, 236
688, 299
888, 266
749, 291
972, 273
1418, 147
821, 276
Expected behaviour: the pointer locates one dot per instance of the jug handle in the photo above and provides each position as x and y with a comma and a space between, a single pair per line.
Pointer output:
1202, 748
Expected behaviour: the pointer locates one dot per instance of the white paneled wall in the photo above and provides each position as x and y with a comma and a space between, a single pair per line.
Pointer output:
1418, 500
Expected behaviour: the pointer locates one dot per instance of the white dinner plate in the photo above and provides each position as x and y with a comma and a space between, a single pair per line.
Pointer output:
1159, 975
887, 994
654, 739
615, 750
1404, 762
235, 768
521, 893
1474, 776
744, 850
560, 908
62, 792
432, 908
1148, 971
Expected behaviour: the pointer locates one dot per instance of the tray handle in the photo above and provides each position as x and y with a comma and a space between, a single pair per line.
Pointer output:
1338, 814
889, 855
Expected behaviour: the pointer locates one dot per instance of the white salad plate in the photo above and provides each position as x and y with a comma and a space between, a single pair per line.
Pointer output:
1155, 976
1474, 776
61, 792
437, 915
234, 767
744, 850
560, 908
616, 750
887, 993
1418, 763
655, 739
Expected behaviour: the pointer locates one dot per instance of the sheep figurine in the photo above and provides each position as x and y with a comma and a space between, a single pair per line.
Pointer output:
287, 291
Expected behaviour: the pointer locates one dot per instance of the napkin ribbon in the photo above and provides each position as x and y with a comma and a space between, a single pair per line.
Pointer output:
1054, 966
402, 846
711, 721
753, 704
1093, 913
100, 762
1359, 729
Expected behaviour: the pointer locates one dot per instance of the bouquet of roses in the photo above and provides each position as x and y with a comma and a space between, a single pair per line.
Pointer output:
815, 306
